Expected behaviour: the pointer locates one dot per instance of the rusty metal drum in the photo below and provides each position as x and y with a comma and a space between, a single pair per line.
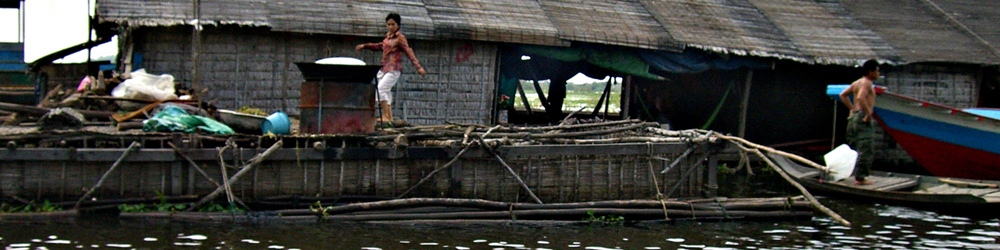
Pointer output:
337, 99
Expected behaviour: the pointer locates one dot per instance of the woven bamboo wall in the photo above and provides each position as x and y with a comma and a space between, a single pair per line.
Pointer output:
243, 66
950, 86
552, 178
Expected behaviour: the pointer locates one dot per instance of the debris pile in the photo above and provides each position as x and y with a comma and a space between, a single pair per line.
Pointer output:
130, 101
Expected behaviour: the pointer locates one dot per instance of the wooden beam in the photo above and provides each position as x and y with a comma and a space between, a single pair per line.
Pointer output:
609, 149
541, 95
605, 95
206, 154
626, 97
524, 97
743, 105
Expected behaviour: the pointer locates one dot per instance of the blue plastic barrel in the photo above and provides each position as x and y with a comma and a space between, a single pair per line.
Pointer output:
277, 123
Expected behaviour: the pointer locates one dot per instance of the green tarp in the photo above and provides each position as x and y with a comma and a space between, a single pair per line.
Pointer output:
618, 59
175, 119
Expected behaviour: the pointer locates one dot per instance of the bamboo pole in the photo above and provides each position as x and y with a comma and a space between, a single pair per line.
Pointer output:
700, 205
509, 169
802, 189
202, 172
253, 162
679, 158
193, 164
90, 191
446, 165
573, 214
37, 111
771, 150
598, 132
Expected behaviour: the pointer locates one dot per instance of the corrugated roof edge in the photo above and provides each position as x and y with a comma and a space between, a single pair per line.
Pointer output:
154, 22
741, 52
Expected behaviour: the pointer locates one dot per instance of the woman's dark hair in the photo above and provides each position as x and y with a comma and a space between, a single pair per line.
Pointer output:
395, 17
870, 65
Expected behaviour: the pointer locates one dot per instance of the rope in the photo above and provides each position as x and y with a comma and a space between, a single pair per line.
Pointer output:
725, 214
719, 106
659, 195
225, 176
693, 216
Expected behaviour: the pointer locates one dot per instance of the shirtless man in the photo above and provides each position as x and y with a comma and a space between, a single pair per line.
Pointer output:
860, 127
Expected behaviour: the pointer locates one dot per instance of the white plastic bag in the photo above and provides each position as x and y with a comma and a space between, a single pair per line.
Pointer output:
841, 162
142, 84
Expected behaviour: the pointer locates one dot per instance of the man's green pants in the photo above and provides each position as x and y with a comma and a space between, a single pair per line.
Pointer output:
861, 137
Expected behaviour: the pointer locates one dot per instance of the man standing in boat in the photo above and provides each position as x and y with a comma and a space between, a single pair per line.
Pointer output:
860, 124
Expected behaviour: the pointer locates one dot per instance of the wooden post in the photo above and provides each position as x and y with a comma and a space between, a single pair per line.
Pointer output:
176, 178
626, 97
744, 104
455, 187
712, 187
195, 42
833, 135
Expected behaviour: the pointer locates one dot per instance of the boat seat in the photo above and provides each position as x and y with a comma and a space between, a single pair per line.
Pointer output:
905, 183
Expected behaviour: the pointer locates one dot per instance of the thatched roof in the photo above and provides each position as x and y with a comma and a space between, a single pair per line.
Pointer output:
841, 32
978, 16
615, 22
360, 18
177, 12
496, 21
920, 32
726, 26
824, 31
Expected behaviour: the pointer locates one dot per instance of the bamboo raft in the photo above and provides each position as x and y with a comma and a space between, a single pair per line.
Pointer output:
566, 163
447, 210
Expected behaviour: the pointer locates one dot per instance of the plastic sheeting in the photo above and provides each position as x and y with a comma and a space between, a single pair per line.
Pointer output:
645, 63
175, 119
695, 61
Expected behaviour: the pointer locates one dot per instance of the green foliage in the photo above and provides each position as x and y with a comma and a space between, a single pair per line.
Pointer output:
32, 207
320, 209
213, 207
126, 208
725, 169
164, 206
604, 219
177, 207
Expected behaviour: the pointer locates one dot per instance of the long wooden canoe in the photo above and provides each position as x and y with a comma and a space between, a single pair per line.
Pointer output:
973, 197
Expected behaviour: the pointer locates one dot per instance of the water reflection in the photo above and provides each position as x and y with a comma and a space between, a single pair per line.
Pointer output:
874, 226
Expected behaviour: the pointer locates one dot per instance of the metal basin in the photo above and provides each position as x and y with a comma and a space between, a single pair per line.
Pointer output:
338, 73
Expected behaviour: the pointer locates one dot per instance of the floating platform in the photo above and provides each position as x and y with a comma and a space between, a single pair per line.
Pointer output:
622, 160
